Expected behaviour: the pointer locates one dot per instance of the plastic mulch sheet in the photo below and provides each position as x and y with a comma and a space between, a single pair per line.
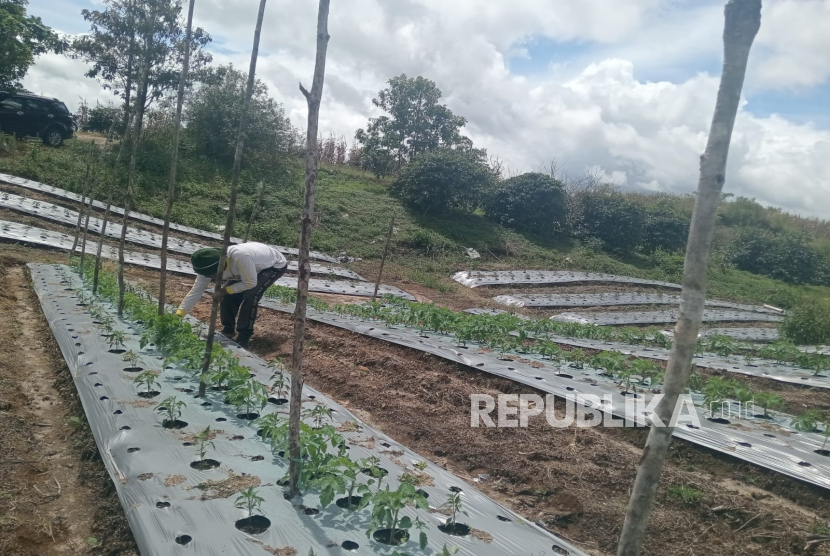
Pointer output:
176, 509
37, 236
662, 317
767, 442
63, 194
477, 278
612, 299
63, 215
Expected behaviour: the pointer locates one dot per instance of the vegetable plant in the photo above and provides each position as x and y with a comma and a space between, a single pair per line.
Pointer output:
173, 407
280, 386
453, 507
116, 339
716, 392
807, 421
577, 358
147, 379
131, 357
371, 465
421, 465
250, 501
250, 396
317, 414
202, 442
768, 400
387, 505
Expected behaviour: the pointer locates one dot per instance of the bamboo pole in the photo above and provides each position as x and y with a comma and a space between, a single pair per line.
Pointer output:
743, 19
383, 258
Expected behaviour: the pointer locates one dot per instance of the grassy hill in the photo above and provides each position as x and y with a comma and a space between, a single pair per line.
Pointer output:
352, 214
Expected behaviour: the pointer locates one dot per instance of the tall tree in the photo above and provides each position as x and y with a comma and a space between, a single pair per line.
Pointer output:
23, 38
96, 179
313, 100
120, 33
743, 19
416, 123
174, 158
237, 167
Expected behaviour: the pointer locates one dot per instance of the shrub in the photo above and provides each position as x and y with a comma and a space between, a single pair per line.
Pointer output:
442, 181
664, 228
531, 202
101, 117
808, 323
784, 256
610, 217
743, 212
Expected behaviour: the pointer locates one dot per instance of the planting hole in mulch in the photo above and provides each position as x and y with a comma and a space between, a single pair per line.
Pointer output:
822, 452
118, 351
206, 404
369, 471
422, 492
254, 525
283, 482
131, 450
248, 416
133, 369
768, 417
387, 536
185, 390
102, 398
177, 424
349, 503
456, 529
125, 428
455, 489
349, 545
502, 518
187, 444
220, 419
691, 426
745, 444
277, 401
257, 458
183, 539
162, 505
311, 511
117, 412
719, 420
805, 464
220, 388
205, 464
148, 395
562, 375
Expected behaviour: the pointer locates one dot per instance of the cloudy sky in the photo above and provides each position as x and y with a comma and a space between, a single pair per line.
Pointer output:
626, 87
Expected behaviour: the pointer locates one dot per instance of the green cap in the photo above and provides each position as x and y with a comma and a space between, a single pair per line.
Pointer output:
205, 261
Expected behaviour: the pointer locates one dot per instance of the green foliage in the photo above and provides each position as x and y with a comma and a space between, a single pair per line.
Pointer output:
768, 400
147, 379
116, 339
685, 494
743, 213
442, 181
386, 508
808, 323
807, 421
202, 442
416, 124
453, 507
119, 32
250, 501
785, 256
100, 118
610, 217
172, 407
531, 202
213, 113
251, 396
665, 229
24, 38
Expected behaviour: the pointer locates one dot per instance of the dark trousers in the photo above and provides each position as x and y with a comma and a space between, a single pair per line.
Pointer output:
245, 304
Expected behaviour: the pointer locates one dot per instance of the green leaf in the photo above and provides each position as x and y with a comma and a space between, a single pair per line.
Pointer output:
422, 540
405, 522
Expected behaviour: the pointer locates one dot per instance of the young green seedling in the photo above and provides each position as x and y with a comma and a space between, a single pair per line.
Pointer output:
131, 357
576, 357
421, 465
768, 400
250, 396
280, 386
202, 442
453, 507
317, 414
372, 465
173, 408
148, 379
249, 501
807, 421
116, 339
387, 505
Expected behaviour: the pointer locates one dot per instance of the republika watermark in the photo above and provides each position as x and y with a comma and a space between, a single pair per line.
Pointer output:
589, 410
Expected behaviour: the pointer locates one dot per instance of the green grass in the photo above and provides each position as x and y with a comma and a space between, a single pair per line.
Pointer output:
352, 214
685, 494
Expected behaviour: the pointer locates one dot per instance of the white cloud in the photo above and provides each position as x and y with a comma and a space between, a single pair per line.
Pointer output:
588, 111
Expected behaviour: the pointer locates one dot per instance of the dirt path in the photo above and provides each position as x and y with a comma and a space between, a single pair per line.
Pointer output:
53, 495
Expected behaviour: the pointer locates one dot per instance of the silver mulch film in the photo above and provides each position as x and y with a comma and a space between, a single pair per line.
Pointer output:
477, 278
661, 317
158, 488
611, 299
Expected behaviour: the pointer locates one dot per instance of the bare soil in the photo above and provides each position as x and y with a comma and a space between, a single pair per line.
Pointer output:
55, 494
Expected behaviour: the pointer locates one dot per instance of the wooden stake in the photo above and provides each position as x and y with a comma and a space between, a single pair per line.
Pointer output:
383, 258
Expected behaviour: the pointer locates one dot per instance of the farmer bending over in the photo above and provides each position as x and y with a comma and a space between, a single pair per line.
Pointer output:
250, 269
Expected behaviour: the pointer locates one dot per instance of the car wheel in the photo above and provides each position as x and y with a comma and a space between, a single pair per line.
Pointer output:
53, 137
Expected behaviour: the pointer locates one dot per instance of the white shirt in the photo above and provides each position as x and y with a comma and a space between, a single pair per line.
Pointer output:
243, 263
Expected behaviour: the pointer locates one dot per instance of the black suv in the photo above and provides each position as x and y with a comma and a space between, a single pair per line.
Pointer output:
25, 114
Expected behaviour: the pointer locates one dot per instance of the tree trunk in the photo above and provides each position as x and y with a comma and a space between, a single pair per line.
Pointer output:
139, 118
174, 159
253, 212
84, 194
95, 180
106, 218
743, 19
130, 8
237, 166
383, 258
304, 266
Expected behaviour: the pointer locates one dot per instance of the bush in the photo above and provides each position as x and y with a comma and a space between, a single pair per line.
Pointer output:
664, 228
808, 323
531, 202
743, 212
101, 117
610, 217
442, 181
784, 256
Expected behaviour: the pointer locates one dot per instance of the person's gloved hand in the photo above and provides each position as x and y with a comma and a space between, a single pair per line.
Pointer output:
181, 314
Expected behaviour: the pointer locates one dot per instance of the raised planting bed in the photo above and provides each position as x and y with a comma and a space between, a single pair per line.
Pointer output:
478, 278
13, 231
69, 217
137, 216
208, 488
662, 317
612, 299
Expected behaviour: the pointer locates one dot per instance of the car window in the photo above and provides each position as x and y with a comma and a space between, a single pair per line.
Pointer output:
33, 105
11, 104
61, 108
